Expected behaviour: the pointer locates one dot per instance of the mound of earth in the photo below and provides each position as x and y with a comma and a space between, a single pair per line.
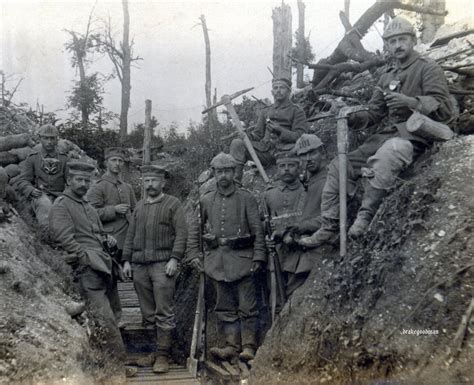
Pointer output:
392, 308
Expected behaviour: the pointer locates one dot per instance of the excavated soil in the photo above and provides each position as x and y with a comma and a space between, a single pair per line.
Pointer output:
355, 319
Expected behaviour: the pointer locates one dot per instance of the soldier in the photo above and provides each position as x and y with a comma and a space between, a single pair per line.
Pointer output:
413, 83
42, 177
277, 129
76, 226
236, 250
155, 243
114, 201
294, 211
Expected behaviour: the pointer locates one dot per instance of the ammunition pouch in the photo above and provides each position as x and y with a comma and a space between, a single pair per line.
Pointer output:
234, 243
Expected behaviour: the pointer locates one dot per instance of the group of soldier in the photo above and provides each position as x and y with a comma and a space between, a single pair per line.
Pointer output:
106, 233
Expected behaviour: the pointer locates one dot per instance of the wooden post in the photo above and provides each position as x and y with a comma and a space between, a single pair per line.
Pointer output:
211, 116
3, 89
147, 133
282, 38
347, 6
301, 46
431, 23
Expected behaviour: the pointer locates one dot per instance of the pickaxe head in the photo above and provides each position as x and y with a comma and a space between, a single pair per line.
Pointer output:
344, 112
227, 98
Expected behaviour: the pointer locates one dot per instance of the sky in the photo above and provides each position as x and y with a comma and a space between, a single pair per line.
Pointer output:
168, 37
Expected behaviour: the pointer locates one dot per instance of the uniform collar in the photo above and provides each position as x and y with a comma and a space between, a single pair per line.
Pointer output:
68, 192
227, 193
158, 199
111, 178
294, 186
286, 103
46, 154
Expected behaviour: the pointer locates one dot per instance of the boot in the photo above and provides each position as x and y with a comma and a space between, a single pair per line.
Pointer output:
232, 342
370, 203
247, 354
326, 234
163, 342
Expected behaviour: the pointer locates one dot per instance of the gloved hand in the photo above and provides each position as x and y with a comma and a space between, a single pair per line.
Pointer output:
269, 242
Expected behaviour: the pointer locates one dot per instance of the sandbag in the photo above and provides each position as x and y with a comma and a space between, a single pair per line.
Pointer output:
6, 158
427, 128
22, 152
14, 141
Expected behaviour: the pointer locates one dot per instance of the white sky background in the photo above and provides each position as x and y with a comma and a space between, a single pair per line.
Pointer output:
172, 73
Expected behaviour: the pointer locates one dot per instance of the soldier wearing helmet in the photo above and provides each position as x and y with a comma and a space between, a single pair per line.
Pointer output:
411, 83
42, 178
236, 250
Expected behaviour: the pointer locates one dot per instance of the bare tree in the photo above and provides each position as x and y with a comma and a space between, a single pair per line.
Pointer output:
121, 56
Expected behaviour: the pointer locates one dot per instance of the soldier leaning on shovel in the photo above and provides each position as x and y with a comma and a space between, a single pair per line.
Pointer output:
277, 129
42, 177
155, 243
76, 227
414, 83
236, 250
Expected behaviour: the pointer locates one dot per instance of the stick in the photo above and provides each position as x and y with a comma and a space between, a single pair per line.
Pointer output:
461, 332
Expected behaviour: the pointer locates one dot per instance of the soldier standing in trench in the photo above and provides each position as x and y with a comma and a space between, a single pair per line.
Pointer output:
414, 83
114, 201
277, 129
295, 210
155, 243
236, 250
42, 178
76, 227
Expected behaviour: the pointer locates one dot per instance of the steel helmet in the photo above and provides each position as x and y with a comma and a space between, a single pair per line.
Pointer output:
399, 26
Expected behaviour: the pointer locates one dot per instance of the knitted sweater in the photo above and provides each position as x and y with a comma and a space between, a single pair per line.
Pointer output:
157, 231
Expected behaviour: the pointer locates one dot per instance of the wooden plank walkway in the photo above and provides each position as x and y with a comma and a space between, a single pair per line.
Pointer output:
140, 342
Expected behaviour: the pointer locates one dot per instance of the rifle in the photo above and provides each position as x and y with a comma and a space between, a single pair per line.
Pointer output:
198, 342
277, 289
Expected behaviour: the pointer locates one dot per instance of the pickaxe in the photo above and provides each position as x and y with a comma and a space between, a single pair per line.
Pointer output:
342, 149
226, 100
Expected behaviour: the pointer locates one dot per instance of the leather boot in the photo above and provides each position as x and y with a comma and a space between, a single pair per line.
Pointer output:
326, 234
249, 338
163, 342
370, 203
231, 331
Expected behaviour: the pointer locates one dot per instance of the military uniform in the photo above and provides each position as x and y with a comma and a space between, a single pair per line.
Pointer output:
104, 196
46, 172
76, 227
235, 241
289, 116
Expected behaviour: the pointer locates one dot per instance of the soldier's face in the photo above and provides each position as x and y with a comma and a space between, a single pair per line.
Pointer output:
280, 92
224, 176
313, 161
401, 46
288, 171
48, 142
114, 164
153, 185
79, 184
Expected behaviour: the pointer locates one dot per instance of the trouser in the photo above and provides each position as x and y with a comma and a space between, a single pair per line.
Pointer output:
41, 207
239, 152
294, 281
236, 308
383, 155
100, 291
155, 291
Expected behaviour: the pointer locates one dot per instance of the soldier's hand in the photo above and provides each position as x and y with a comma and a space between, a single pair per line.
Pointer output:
127, 269
256, 267
398, 100
197, 264
274, 127
111, 241
269, 242
171, 267
36, 193
122, 208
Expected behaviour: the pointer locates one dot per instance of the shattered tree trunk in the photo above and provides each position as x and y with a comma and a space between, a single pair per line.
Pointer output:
350, 46
431, 23
211, 116
282, 39
80, 49
301, 45
126, 76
